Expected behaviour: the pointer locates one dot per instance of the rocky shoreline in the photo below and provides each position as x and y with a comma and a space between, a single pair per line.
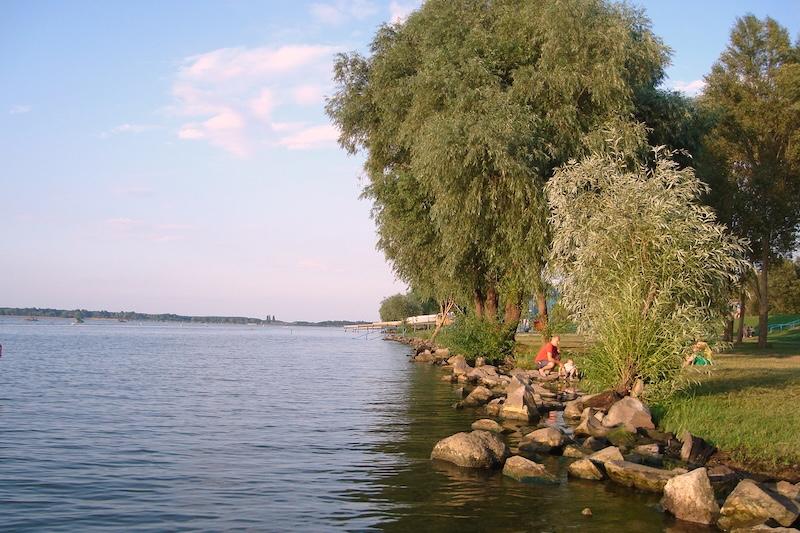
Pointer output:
605, 438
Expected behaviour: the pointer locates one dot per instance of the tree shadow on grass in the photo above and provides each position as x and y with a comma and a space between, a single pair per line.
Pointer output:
741, 379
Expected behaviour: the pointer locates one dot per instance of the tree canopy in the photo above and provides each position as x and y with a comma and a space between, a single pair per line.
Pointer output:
465, 110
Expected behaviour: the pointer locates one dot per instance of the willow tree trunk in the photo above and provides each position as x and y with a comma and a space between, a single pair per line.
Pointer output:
727, 334
763, 297
740, 333
511, 317
491, 304
479, 300
541, 305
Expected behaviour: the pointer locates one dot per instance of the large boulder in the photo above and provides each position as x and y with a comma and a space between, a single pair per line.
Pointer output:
751, 504
479, 396
520, 403
523, 469
585, 469
544, 440
631, 413
695, 450
592, 427
487, 424
787, 489
690, 497
611, 453
485, 375
478, 449
570, 450
642, 477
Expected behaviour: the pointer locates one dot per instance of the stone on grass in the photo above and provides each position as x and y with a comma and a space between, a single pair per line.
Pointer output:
487, 424
478, 449
479, 396
520, 403
585, 469
631, 413
751, 504
695, 450
523, 469
690, 497
642, 477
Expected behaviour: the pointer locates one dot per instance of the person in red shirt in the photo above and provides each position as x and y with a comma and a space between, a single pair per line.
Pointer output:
548, 357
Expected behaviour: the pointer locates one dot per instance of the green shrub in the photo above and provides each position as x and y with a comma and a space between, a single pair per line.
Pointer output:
473, 338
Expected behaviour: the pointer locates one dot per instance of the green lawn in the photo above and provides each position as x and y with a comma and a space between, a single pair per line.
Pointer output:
749, 405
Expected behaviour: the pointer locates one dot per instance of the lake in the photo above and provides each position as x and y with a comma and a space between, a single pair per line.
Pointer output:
154, 427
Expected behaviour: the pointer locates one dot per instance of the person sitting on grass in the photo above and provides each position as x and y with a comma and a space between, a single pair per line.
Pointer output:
548, 357
700, 355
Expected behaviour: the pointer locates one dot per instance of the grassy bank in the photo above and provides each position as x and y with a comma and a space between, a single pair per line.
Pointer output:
748, 406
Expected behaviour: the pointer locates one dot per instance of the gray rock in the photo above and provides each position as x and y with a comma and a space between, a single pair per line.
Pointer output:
544, 440
695, 450
523, 469
690, 497
653, 450
460, 366
478, 449
479, 396
585, 469
595, 443
642, 477
570, 450
487, 424
573, 409
631, 413
520, 403
611, 453
751, 504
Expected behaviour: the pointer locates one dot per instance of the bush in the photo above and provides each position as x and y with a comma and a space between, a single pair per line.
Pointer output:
473, 338
642, 267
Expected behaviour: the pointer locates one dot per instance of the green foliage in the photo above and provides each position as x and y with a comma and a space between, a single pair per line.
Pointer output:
641, 266
399, 307
464, 111
475, 338
558, 322
784, 287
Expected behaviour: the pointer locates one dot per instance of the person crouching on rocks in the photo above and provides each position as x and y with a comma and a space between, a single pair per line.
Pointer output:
548, 357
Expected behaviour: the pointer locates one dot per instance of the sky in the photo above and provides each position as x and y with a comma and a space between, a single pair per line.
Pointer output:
174, 156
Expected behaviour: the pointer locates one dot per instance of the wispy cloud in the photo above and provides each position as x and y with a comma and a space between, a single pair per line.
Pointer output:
312, 137
127, 128
400, 10
229, 97
340, 11
19, 109
690, 88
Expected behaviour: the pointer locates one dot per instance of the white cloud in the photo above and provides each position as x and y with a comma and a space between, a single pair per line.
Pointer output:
19, 109
312, 137
340, 11
399, 11
127, 128
230, 97
307, 94
691, 88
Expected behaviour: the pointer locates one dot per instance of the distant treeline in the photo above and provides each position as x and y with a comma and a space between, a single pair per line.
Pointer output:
163, 317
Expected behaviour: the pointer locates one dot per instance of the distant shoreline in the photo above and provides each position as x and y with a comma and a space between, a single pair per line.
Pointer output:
125, 316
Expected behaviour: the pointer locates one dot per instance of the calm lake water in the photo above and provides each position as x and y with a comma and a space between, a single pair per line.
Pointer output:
153, 427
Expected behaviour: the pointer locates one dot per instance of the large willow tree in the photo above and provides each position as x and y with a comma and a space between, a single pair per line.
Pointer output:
465, 110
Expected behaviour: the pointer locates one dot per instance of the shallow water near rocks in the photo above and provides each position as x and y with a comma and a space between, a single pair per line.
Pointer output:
147, 426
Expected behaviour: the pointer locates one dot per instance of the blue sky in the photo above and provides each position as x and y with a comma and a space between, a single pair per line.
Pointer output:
173, 156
